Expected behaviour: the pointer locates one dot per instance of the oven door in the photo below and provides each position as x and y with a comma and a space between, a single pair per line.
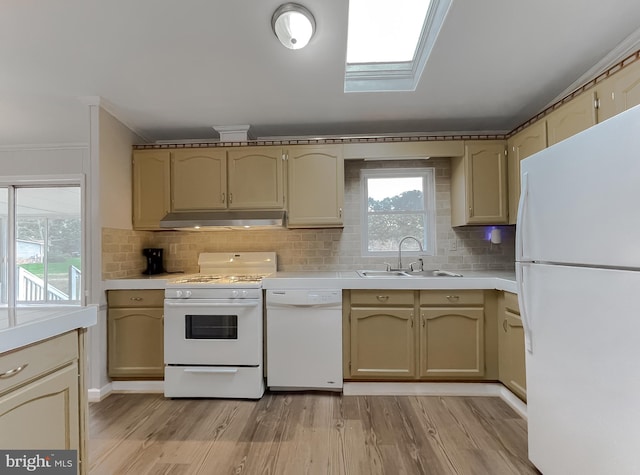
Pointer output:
213, 332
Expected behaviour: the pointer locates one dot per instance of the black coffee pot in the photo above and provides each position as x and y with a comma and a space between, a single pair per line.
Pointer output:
154, 261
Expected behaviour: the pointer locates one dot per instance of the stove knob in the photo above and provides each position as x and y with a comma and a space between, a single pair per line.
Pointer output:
234, 294
187, 294
179, 294
245, 293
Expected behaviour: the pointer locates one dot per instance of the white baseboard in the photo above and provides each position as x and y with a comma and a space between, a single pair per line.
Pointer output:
437, 389
96, 395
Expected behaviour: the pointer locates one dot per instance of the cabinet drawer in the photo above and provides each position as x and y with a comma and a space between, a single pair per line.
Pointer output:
382, 297
511, 302
451, 297
135, 298
37, 359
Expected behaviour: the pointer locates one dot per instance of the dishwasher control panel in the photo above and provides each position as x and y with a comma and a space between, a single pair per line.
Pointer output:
304, 297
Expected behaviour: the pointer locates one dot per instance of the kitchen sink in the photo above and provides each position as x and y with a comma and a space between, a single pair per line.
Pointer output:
401, 273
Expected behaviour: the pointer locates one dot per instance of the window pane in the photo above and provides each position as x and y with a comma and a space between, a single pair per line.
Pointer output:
395, 194
48, 244
4, 216
386, 230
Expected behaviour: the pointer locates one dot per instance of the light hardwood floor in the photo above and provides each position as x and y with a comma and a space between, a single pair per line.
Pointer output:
307, 433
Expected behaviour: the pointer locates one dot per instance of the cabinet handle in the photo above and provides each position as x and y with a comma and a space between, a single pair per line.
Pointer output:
13, 372
504, 324
230, 198
382, 298
453, 298
340, 213
411, 316
424, 321
223, 197
136, 299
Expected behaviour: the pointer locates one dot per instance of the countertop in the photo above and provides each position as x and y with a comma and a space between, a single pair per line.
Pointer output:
21, 326
499, 280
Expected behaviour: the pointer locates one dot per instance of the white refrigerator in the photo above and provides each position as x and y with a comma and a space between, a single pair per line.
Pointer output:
578, 272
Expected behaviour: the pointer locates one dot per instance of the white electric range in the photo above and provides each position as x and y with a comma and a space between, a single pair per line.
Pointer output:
213, 327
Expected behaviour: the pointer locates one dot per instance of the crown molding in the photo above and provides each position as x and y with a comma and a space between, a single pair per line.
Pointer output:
114, 111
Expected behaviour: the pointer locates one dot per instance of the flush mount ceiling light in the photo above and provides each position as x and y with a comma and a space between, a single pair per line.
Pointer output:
293, 24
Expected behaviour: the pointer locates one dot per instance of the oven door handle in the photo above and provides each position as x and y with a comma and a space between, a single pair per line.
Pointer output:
190, 303
212, 370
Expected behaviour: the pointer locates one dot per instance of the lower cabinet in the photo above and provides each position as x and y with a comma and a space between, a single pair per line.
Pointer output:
135, 334
511, 353
451, 333
387, 340
40, 397
382, 336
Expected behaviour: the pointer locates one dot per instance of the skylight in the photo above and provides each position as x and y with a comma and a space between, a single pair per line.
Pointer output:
389, 42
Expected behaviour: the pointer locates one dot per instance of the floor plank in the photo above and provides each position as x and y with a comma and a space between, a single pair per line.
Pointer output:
306, 433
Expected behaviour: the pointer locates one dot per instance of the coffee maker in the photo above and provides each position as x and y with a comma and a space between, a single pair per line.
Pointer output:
154, 261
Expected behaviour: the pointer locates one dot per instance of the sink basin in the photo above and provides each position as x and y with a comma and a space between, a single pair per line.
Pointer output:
401, 273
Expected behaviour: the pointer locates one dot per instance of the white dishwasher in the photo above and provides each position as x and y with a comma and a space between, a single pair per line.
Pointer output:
304, 339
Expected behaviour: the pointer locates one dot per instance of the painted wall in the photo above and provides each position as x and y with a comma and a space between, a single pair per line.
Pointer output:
38, 161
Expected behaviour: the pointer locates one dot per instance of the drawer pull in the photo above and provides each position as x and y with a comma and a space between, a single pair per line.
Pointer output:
382, 298
453, 298
136, 299
13, 372
504, 324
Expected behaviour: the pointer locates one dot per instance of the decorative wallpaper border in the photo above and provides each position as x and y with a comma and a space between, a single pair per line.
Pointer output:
406, 138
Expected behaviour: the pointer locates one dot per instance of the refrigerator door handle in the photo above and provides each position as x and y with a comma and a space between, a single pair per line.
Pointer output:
522, 303
521, 227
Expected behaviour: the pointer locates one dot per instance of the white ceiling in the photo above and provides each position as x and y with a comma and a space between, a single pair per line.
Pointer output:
171, 69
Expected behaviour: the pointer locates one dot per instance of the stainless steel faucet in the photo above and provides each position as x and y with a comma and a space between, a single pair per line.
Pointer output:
400, 249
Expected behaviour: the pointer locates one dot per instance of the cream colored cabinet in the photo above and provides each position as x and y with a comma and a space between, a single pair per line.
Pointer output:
571, 118
619, 92
511, 353
198, 179
526, 142
151, 187
382, 335
40, 403
135, 334
256, 178
479, 184
451, 334
315, 186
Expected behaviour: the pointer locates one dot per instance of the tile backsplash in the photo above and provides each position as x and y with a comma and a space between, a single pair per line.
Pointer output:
316, 249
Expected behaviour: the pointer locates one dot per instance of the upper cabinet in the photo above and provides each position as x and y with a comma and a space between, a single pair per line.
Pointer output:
316, 186
575, 116
619, 92
479, 184
151, 187
526, 142
256, 178
198, 179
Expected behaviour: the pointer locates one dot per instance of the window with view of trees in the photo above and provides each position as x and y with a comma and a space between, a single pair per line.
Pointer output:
398, 203
41, 244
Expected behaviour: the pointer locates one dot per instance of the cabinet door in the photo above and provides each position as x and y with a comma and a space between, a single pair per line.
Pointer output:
256, 178
43, 414
525, 143
512, 354
151, 185
199, 179
451, 342
382, 343
135, 342
619, 92
571, 118
316, 186
486, 182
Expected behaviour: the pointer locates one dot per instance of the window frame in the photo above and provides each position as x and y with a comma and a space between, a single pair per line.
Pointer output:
428, 239
49, 181
400, 75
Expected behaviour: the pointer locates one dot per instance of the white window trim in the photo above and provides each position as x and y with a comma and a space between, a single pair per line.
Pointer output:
429, 196
399, 76
44, 181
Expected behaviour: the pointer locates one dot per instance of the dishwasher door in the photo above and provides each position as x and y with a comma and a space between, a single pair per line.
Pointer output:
304, 339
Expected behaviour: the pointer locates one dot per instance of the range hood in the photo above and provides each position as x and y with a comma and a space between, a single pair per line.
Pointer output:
212, 220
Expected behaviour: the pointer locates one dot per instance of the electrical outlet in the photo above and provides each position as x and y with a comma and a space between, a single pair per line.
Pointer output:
173, 248
453, 244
